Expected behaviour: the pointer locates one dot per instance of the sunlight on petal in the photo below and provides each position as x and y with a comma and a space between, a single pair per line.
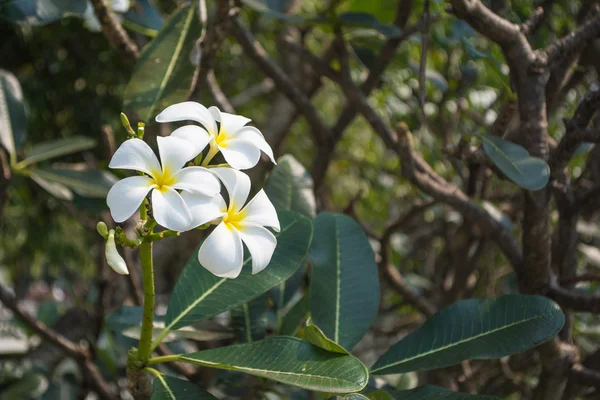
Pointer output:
240, 154
196, 135
189, 111
126, 196
260, 211
261, 243
135, 154
170, 210
230, 123
253, 135
222, 252
204, 209
237, 184
174, 153
196, 180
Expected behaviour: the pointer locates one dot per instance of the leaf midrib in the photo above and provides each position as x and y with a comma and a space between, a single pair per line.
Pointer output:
173, 61
166, 386
421, 355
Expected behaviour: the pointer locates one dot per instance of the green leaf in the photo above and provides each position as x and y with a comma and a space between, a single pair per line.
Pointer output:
40, 11
56, 189
432, 75
290, 187
312, 334
515, 162
273, 9
168, 388
430, 392
294, 317
164, 72
13, 123
344, 292
250, 320
199, 294
474, 329
288, 360
56, 148
367, 20
383, 10
143, 13
87, 182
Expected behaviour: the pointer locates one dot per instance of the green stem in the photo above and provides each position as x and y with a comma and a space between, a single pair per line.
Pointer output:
213, 150
153, 372
145, 348
160, 337
162, 359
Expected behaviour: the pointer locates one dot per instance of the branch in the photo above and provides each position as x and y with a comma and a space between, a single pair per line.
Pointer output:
572, 43
283, 82
575, 300
589, 276
218, 95
585, 376
485, 21
114, 32
92, 375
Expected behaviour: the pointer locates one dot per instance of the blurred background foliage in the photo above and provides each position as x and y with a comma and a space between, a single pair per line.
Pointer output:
73, 83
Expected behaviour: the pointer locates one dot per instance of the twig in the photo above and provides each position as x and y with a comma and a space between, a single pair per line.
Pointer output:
423, 61
571, 298
569, 44
114, 32
588, 276
217, 93
92, 375
259, 89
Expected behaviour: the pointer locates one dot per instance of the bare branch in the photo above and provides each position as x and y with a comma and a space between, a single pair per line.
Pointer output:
114, 32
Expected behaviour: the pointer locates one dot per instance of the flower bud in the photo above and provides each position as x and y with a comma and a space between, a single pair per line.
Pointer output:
113, 258
102, 229
127, 125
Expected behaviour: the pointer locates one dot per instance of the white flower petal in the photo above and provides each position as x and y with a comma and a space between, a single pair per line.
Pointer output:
230, 123
125, 197
196, 180
260, 211
255, 136
197, 136
237, 184
240, 154
174, 153
113, 258
135, 154
203, 208
170, 210
189, 110
261, 243
222, 252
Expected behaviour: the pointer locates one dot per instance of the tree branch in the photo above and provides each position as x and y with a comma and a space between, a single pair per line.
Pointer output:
114, 31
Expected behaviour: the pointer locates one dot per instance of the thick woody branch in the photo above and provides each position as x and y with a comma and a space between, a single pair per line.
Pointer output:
585, 376
485, 21
283, 82
114, 31
575, 300
572, 43
92, 375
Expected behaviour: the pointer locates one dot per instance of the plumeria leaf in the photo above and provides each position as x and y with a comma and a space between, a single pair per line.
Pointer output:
363, 19
290, 187
344, 292
273, 9
56, 189
13, 123
56, 148
41, 11
87, 183
288, 360
199, 294
168, 388
144, 14
250, 320
474, 329
164, 72
515, 162
312, 334
292, 319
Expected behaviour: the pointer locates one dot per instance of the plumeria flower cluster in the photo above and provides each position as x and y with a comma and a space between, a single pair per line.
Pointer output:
185, 197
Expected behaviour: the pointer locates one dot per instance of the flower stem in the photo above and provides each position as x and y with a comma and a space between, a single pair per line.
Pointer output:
162, 359
214, 149
145, 348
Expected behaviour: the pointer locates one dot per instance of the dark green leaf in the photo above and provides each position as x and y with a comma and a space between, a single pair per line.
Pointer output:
56, 189
143, 13
290, 187
515, 162
87, 183
292, 319
274, 9
435, 77
56, 148
168, 388
429, 392
13, 123
164, 72
344, 292
312, 334
250, 320
383, 10
288, 360
40, 11
474, 329
367, 20
199, 294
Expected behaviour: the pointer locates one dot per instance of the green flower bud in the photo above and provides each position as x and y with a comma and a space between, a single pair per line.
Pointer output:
102, 229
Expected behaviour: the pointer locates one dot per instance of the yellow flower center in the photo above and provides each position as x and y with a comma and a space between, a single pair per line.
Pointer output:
222, 138
163, 179
234, 220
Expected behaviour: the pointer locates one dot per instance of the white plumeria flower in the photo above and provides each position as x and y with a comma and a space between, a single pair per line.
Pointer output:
222, 253
240, 144
166, 178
